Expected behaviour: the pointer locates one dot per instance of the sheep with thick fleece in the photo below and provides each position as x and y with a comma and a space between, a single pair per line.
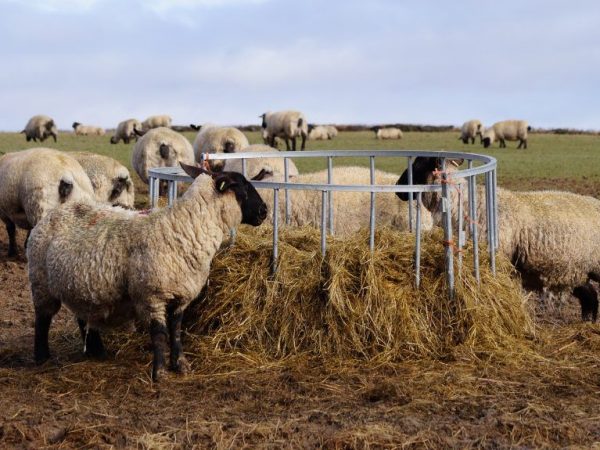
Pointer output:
35, 181
110, 179
470, 129
331, 131
274, 168
40, 127
160, 147
351, 210
215, 139
156, 122
387, 133
552, 237
109, 265
507, 130
318, 133
87, 130
126, 130
286, 125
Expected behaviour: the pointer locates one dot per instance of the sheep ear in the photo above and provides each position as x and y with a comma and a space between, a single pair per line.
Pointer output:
224, 182
193, 171
64, 189
119, 185
260, 175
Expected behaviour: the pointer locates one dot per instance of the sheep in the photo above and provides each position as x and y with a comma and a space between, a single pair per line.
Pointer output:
110, 179
286, 125
588, 298
273, 168
156, 121
34, 181
507, 130
40, 127
109, 265
160, 147
87, 130
331, 131
470, 129
387, 133
214, 139
551, 237
126, 131
350, 209
318, 133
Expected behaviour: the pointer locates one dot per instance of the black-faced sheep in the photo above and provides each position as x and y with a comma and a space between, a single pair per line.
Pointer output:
126, 131
286, 125
40, 127
507, 130
214, 139
87, 130
470, 130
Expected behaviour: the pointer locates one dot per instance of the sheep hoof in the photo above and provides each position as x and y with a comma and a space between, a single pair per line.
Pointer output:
159, 374
181, 366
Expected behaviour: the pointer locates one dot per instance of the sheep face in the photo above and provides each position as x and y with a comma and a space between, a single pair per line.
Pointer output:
487, 141
120, 185
75, 125
51, 130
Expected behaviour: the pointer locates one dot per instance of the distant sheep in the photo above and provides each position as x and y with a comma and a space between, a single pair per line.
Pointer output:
470, 130
286, 125
35, 181
156, 122
160, 147
331, 131
110, 179
40, 127
126, 131
87, 130
273, 168
508, 130
110, 266
318, 133
215, 139
387, 133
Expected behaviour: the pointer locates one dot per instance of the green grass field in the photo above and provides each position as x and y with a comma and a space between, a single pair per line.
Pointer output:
552, 161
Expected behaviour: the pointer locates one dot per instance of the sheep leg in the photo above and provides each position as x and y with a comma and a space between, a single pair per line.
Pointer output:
472, 140
91, 340
158, 334
294, 144
179, 363
43, 319
303, 146
11, 229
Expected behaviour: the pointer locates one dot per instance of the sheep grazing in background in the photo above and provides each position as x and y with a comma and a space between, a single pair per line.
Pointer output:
387, 133
126, 131
331, 131
318, 133
109, 265
588, 298
350, 209
272, 169
286, 125
110, 179
35, 181
551, 237
40, 127
160, 147
214, 139
87, 130
156, 122
508, 130
470, 130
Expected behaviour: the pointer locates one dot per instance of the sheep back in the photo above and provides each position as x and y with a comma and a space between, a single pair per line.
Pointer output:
40, 127
156, 122
389, 133
213, 139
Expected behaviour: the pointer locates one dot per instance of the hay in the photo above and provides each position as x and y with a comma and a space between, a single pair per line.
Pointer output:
354, 304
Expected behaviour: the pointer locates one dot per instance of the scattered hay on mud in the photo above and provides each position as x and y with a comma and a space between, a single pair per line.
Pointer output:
354, 304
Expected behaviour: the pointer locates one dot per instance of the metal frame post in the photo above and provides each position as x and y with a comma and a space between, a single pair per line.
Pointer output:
447, 222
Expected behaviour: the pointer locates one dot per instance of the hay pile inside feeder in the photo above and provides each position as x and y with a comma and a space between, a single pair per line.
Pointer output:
354, 304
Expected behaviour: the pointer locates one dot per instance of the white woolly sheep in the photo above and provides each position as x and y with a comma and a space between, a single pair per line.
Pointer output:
33, 182
552, 237
350, 209
126, 130
87, 130
110, 179
109, 265
156, 122
387, 133
286, 125
318, 133
214, 139
469, 130
331, 131
40, 127
273, 168
160, 147
507, 130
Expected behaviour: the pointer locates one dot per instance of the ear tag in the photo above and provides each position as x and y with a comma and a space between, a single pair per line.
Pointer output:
222, 186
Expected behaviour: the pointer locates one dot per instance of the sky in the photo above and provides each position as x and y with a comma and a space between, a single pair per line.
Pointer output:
340, 61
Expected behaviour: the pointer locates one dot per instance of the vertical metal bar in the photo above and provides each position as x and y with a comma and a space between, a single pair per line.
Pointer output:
471, 202
495, 200
170, 193
275, 230
418, 242
372, 217
244, 167
475, 223
461, 232
175, 189
330, 193
323, 221
155, 191
410, 194
151, 191
490, 218
447, 222
286, 178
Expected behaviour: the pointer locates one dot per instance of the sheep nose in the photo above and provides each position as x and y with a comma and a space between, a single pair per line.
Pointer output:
262, 212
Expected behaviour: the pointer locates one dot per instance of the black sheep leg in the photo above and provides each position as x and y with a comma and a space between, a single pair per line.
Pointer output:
158, 334
179, 362
91, 340
11, 229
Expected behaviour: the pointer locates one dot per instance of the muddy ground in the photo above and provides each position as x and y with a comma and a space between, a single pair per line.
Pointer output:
232, 401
